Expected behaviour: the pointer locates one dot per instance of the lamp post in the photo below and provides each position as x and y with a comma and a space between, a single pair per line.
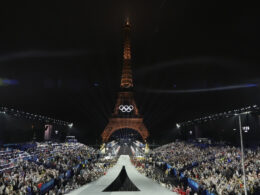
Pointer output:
242, 150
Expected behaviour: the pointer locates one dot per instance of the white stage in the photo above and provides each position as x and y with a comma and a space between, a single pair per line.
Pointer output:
146, 185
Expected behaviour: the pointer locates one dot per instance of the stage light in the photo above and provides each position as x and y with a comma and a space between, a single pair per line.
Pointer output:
177, 125
70, 125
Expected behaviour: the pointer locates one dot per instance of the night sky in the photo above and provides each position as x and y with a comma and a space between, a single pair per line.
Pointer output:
189, 58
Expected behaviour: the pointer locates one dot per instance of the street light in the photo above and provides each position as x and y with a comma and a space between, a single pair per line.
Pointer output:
242, 148
246, 128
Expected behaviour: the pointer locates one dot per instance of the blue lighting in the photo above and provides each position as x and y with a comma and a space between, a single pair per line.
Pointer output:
6, 82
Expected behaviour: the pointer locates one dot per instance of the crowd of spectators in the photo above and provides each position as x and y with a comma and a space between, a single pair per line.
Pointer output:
63, 167
215, 168
67, 166
147, 167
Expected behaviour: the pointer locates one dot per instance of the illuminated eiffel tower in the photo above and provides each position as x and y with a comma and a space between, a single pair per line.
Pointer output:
126, 114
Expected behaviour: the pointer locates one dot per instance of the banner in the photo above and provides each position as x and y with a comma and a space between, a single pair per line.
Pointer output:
194, 185
208, 193
47, 186
68, 174
168, 166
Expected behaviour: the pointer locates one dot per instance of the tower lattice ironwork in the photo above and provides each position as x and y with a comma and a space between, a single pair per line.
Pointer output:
126, 114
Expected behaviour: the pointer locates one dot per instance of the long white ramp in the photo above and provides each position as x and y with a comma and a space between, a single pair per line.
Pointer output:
146, 185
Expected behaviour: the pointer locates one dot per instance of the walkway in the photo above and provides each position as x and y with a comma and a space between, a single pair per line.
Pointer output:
146, 185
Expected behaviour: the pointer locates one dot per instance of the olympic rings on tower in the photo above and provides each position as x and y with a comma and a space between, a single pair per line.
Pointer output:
126, 108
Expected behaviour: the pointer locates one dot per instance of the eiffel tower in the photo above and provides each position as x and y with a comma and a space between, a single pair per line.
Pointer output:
126, 114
